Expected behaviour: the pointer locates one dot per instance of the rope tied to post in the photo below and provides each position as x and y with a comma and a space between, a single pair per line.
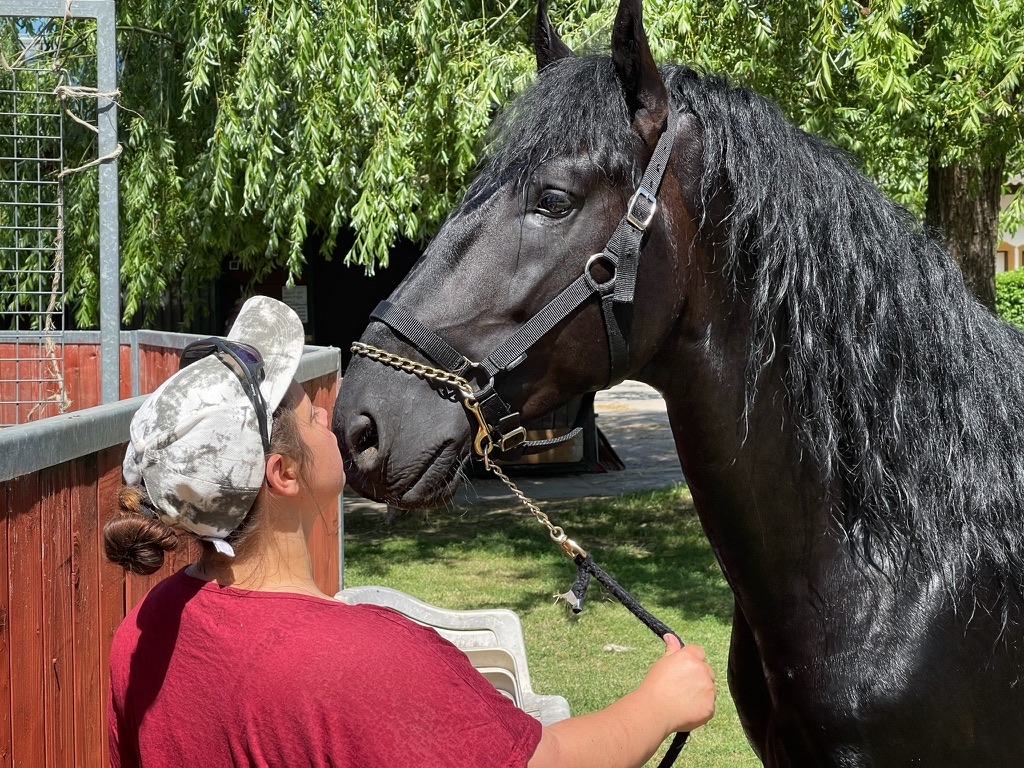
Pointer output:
65, 92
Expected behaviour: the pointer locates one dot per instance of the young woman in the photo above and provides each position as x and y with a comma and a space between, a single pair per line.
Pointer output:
239, 659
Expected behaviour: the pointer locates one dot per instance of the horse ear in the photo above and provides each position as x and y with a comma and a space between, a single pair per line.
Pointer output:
546, 43
646, 95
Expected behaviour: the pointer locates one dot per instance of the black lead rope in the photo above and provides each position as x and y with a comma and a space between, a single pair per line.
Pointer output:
586, 567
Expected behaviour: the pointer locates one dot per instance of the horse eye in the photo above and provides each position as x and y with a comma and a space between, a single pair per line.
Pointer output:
555, 204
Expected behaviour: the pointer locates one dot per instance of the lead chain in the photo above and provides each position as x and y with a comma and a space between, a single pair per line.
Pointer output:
411, 366
558, 535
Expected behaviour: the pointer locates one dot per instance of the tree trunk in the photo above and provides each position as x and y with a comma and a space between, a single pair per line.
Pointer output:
963, 205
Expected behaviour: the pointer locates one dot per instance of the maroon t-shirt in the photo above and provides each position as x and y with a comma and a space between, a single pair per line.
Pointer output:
208, 676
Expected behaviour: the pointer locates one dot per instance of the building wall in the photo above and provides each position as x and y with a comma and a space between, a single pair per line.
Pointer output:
1010, 251
1009, 256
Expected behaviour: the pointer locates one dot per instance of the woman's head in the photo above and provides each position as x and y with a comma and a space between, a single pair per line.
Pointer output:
137, 538
196, 444
197, 453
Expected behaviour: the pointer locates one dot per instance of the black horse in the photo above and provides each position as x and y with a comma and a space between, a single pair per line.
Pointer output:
849, 420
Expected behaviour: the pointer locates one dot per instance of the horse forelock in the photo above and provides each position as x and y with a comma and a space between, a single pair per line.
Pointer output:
906, 393
576, 109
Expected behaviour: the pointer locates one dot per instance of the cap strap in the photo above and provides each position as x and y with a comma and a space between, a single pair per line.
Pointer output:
220, 545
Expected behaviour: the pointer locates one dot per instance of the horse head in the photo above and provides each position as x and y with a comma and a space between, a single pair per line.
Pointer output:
533, 231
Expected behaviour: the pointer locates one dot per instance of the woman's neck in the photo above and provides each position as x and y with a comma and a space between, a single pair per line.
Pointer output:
278, 562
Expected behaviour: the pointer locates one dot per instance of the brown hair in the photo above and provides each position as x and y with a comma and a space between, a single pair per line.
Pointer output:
134, 538
137, 540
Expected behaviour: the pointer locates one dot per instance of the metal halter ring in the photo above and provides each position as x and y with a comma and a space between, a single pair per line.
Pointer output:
472, 373
611, 261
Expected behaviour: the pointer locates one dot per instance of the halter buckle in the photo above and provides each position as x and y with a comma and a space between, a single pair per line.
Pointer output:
513, 439
641, 222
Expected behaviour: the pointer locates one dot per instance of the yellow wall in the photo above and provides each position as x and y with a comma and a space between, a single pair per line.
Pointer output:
1007, 257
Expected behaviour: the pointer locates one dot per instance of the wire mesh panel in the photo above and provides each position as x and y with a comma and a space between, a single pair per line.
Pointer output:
31, 244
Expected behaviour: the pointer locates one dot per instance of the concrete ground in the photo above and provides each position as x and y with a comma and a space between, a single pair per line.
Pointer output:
631, 416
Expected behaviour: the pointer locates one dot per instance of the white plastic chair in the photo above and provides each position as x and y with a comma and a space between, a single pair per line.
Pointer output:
491, 638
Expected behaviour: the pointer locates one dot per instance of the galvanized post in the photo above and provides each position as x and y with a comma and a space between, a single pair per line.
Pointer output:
106, 83
110, 258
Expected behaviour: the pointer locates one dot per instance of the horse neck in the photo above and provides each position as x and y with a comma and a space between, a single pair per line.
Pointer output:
761, 511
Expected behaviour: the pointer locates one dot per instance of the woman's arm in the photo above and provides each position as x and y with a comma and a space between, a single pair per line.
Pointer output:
677, 694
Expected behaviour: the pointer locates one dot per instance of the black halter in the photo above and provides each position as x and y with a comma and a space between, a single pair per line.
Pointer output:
621, 255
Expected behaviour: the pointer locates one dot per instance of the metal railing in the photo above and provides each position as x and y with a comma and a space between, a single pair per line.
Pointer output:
27, 448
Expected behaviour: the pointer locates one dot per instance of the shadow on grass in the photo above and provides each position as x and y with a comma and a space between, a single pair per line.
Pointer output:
651, 543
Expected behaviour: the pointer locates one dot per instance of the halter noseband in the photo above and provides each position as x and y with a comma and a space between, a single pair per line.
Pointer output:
499, 427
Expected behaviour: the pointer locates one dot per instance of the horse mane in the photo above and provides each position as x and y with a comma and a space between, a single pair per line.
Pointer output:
905, 392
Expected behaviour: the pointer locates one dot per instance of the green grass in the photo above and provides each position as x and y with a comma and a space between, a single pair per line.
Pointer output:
500, 556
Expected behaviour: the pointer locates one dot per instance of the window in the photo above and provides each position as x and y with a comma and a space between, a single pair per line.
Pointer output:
1002, 260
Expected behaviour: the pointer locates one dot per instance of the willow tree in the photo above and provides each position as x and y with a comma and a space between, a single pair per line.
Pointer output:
926, 93
247, 125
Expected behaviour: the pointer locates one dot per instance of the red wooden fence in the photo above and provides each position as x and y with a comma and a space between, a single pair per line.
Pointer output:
81, 373
61, 601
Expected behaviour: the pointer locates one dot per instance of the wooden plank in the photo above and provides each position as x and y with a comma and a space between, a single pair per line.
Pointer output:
58, 632
9, 383
125, 378
151, 373
323, 540
169, 363
25, 553
6, 736
71, 376
51, 371
8, 374
28, 374
145, 363
86, 551
89, 387
137, 586
156, 365
111, 577
323, 550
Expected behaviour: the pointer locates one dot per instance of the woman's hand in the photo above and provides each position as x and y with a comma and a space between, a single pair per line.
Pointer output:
677, 694
681, 684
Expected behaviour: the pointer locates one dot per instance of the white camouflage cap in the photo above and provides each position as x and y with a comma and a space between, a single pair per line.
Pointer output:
195, 443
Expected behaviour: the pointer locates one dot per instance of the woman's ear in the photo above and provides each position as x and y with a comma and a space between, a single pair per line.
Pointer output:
282, 475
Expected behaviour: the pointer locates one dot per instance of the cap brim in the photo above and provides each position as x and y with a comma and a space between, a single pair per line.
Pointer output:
276, 331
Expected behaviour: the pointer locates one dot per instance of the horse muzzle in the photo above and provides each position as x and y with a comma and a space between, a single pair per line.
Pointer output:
399, 447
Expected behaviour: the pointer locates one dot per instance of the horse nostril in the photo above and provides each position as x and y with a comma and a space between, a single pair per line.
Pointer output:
364, 436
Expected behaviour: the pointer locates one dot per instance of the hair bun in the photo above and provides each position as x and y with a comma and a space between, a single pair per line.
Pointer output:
134, 537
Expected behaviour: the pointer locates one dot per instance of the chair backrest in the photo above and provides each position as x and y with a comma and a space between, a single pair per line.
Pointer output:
491, 638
